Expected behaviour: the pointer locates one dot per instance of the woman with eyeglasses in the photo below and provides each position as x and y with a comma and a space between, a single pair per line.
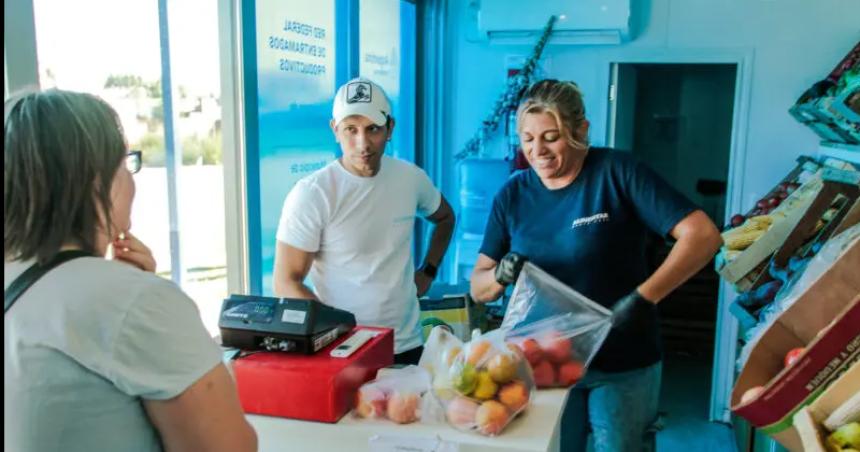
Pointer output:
98, 354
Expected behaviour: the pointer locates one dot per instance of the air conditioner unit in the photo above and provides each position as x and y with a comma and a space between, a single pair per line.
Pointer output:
579, 21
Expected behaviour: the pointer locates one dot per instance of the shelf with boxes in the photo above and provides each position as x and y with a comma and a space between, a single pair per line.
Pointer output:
785, 229
798, 302
840, 153
793, 259
804, 351
831, 107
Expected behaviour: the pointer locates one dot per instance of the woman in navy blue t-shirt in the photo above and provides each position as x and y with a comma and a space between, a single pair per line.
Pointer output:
582, 214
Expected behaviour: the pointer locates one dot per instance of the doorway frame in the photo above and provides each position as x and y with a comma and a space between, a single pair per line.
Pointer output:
726, 340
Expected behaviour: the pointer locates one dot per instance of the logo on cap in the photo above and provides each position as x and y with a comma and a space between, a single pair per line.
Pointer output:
358, 92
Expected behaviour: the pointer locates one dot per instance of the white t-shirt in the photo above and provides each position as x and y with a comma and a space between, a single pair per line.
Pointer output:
85, 344
361, 231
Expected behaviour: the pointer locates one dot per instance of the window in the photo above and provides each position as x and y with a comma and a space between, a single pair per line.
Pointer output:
291, 104
387, 35
194, 61
80, 50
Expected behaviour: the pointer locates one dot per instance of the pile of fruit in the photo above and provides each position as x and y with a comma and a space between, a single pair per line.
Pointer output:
744, 230
552, 361
397, 396
400, 407
773, 200
485, 385
769, 204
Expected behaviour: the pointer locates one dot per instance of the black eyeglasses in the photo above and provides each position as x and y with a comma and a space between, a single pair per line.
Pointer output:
133, 161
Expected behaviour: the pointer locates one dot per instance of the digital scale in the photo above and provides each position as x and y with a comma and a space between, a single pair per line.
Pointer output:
250, 322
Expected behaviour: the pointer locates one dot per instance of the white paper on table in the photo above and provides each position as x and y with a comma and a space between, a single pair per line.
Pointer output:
393, 443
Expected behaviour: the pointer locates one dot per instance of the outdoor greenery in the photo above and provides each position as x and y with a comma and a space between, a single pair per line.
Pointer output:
196, 149
153, 89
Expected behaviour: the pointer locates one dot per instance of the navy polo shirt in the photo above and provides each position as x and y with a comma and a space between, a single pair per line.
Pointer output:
591, 235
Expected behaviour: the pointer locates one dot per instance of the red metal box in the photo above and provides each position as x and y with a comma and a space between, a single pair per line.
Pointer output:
310, 387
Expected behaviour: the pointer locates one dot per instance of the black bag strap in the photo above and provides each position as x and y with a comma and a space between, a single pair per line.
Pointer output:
32, 274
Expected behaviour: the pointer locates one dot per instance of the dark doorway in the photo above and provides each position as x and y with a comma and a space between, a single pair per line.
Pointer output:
677, 118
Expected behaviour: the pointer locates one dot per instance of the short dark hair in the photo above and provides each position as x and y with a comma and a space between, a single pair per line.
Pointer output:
61, 151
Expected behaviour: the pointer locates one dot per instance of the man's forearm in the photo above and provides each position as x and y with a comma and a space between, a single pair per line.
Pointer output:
439, 241
293, 289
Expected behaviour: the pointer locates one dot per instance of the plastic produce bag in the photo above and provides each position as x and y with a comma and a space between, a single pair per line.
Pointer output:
558, 329
397, 395
484, 386
441, 347
798, 284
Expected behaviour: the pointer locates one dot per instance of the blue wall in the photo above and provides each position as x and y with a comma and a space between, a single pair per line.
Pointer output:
774, 37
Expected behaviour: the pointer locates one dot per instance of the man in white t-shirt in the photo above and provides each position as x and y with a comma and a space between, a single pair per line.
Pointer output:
350, 225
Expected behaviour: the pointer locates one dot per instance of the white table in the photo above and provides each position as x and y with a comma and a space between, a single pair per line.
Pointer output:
536, 430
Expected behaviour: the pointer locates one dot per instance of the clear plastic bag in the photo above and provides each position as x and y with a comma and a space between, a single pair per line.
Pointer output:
484, 386
557, 329
398, 395
439, 349
797, 285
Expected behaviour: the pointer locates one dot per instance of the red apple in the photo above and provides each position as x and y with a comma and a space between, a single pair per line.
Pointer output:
556, 348
544, 374
737, 220
793, 355
532, 351
570, 373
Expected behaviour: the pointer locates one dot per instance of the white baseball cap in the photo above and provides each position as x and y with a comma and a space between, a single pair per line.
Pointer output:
360, 96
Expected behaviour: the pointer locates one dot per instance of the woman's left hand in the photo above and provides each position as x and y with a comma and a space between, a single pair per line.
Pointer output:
129, 249
630, 313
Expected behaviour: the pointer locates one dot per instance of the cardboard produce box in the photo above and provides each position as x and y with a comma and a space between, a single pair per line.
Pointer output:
833, 302
808, 420
763, 248
310, 387
794, 222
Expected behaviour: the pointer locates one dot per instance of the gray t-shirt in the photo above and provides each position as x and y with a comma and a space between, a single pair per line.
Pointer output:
85, 344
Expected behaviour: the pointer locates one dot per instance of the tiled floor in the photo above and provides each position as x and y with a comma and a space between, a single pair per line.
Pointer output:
684, 401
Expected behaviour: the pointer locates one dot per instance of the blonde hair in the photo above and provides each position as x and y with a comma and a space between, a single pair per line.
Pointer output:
562, 100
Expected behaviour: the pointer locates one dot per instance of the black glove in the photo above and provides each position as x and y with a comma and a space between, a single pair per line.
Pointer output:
632, 313
509, 268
